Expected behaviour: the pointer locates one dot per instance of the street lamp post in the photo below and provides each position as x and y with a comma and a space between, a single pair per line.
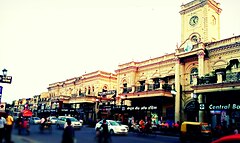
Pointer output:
195, 97
96, 108
4, 78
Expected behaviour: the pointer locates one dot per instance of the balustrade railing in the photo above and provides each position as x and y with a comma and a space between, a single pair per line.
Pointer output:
226, 77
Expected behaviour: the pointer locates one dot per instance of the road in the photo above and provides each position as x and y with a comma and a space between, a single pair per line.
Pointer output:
87, 135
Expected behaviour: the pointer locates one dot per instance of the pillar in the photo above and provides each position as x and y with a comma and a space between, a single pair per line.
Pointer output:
161, 82
219, 77
177, 110
133, 89
201, 64
201, 112
146, 86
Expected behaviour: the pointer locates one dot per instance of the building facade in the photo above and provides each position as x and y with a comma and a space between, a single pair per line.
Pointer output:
200, 81
203, 72
82, 96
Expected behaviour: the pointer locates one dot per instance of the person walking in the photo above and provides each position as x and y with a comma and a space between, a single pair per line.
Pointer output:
235, 131
19, 123
68, 133
105, 134
2, 127
9, 125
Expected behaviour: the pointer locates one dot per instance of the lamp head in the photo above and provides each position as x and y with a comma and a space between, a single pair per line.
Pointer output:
4, 72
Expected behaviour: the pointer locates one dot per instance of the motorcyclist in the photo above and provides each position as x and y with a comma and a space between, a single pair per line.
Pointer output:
42, 122
148, 126
141, 124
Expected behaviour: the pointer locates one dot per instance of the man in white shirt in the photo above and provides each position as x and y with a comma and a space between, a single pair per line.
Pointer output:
42, 120
2, 125
42, 123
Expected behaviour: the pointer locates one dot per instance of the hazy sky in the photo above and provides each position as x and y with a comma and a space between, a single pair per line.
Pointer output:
47, 41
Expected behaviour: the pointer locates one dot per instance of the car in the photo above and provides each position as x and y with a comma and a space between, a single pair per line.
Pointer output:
62, 122
113, 127
126, 126
34, 120
235, 138
52, 119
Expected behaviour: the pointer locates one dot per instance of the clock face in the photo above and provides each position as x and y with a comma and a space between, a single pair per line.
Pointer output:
193, 20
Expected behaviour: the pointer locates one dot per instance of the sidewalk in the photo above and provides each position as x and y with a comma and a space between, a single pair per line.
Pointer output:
22, 139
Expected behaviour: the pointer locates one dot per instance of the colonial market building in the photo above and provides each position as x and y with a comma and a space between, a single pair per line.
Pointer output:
84, 96
199, 82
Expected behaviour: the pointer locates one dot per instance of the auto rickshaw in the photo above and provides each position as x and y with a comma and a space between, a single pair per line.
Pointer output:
195, 131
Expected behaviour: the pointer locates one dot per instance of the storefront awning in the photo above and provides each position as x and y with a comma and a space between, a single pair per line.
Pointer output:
26, 113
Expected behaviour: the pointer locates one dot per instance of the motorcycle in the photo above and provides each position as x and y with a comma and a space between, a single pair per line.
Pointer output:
45, 126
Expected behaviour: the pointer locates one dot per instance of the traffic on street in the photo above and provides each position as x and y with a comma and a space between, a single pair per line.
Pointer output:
87, 135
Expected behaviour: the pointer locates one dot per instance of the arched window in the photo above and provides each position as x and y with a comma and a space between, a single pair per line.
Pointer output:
89, 89
194, 71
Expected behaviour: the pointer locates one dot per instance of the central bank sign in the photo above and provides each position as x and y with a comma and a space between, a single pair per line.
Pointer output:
219, 107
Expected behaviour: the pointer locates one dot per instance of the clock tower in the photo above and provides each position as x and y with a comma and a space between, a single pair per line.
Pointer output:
200, 21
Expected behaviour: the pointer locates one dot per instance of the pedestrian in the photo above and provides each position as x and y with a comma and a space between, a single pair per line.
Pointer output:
68, 133
105, 134
19, 123
235, 131
98, 135
2, 127
9, 125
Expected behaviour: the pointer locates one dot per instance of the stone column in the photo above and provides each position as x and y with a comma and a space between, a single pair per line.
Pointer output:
133, 88
146, 85
201, 64
219, 77
201, 113
177, 88
161, 82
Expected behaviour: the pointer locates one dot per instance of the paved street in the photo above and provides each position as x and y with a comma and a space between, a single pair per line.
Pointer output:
86, 135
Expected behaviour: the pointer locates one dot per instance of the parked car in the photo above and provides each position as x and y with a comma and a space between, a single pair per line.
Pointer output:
52, 119
34, 120
113, 127
62, 122
126, 126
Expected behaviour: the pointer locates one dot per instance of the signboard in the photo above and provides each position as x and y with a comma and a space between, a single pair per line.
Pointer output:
107, 93
5, 79
141, 108
229, 106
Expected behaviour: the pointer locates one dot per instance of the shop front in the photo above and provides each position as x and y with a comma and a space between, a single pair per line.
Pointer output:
225, 114
222, 109
150, 108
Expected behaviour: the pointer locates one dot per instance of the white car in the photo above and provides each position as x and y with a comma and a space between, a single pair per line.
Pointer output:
126, 126
113, 127
52, 119
62, 122
34, 120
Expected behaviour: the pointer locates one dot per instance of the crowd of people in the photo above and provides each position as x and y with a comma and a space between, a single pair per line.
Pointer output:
6, 124
223, 130
165, 126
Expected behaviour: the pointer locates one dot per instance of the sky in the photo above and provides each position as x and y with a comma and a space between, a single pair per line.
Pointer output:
48, 41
